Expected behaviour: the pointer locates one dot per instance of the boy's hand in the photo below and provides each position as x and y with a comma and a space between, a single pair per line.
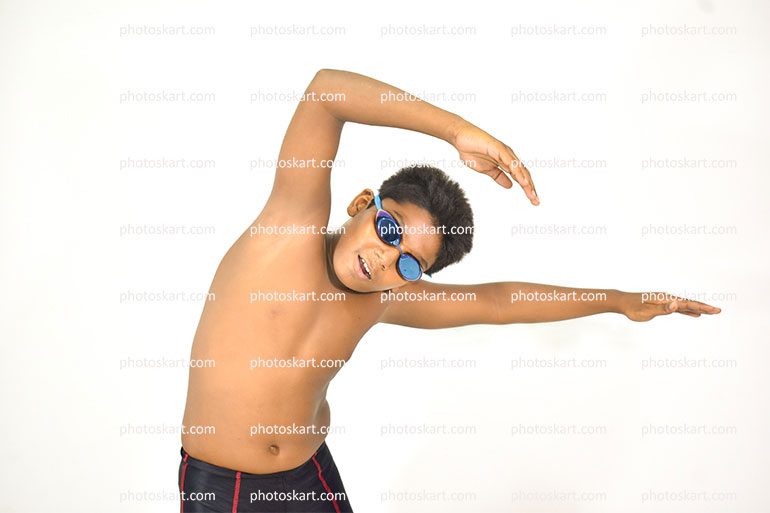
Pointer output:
645, 306
485, 154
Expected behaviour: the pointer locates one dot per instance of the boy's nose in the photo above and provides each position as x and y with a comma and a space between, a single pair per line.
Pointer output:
387, 257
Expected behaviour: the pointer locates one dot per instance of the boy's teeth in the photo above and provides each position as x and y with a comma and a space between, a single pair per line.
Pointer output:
367, 271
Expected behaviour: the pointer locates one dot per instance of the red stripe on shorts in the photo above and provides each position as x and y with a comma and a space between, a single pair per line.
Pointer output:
237, 489
326, 485
181, 484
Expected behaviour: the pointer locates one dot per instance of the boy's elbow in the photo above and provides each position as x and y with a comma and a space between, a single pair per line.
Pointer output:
322, 74
320, 80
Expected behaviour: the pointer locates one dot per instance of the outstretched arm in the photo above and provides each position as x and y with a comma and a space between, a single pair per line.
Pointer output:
424, 304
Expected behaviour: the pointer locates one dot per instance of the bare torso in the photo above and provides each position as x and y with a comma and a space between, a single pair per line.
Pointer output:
263, 398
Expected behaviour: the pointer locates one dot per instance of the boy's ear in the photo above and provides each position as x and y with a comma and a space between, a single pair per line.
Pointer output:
360, 202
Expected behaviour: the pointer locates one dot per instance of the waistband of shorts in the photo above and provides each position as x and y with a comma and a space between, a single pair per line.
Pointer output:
322, 455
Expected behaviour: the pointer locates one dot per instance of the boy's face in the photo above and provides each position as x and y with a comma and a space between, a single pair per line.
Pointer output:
359, 239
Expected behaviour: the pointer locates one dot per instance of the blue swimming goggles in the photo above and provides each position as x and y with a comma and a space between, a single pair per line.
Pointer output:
389, 232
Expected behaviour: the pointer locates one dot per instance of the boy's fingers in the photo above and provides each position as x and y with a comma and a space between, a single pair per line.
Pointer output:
499, 176
699, 307
517, 172
670, 306
683, 306
522, 174
512, 157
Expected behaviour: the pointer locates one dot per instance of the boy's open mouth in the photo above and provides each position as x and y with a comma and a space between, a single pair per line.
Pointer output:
364, 267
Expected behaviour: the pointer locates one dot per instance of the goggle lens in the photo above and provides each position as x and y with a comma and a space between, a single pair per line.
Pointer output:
409, 267
388, 230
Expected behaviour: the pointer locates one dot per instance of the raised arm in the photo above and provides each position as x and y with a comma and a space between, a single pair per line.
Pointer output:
424, 304
334, 97
353, 97
312, 139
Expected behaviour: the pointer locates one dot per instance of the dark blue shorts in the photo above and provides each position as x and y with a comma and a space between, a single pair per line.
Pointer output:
314, 486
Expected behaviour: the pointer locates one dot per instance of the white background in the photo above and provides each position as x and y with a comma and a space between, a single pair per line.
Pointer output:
77, 429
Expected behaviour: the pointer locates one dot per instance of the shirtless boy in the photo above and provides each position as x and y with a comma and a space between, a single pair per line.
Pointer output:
247, 462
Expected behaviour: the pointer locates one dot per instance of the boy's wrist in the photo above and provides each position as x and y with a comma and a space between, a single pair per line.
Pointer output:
453, 129
618, 301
